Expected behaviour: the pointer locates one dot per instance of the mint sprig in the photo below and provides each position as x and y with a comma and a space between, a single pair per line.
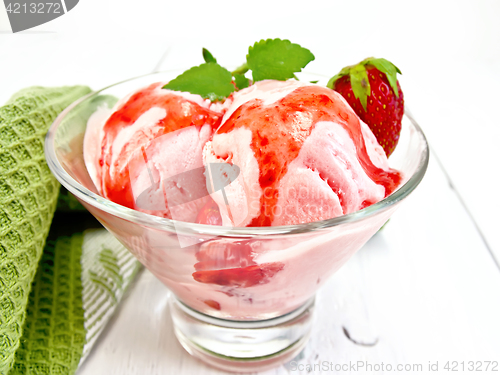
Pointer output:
277, 59
268, 59
241, 81
209, 80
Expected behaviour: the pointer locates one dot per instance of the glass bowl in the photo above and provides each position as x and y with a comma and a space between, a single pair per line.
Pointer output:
255, 309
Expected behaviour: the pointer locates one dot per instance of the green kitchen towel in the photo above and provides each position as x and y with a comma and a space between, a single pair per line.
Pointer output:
28, 196
54, 333
51, 311
79, 281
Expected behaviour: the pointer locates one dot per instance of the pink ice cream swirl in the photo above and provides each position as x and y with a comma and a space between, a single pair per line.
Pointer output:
303, 154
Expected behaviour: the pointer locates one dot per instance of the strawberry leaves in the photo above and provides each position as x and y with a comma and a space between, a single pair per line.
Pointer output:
359, 78
389, 69
268, 59
277, 59
360, 84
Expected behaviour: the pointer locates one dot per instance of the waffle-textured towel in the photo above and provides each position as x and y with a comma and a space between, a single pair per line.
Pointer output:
80, 278
28, 196
79, 281
54, 332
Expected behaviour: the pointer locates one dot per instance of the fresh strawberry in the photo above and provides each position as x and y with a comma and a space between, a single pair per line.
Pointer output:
372, 89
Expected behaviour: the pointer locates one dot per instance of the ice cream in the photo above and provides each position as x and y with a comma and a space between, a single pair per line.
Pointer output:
272, 184
136, 152
303, 153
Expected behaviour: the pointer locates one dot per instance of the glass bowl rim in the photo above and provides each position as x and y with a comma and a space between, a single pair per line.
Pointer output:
170, 225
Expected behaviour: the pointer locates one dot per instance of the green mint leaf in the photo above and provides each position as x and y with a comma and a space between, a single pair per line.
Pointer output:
277, 59
207, 56
241, 81
210, 80
315, 81
242, 69
360, 84
389, 69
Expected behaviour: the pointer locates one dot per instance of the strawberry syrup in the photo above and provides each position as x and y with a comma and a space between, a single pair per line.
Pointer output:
231, 264
181, 113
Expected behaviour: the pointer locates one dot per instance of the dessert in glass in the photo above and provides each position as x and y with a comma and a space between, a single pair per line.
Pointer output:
243, 249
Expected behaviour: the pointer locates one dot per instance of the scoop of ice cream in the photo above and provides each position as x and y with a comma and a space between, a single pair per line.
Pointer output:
303, 153
146, 153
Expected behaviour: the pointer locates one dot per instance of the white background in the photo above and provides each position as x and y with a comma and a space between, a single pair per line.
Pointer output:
429, 283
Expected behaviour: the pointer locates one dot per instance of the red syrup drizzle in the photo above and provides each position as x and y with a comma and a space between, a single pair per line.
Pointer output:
280, 129
209, 214
228, 264
231, 264
181, 113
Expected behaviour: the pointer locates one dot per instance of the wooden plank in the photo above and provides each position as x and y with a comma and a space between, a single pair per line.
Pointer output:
464, 132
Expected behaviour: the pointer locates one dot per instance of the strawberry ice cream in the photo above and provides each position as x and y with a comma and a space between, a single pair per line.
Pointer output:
245, 203
136, 152
304, 156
